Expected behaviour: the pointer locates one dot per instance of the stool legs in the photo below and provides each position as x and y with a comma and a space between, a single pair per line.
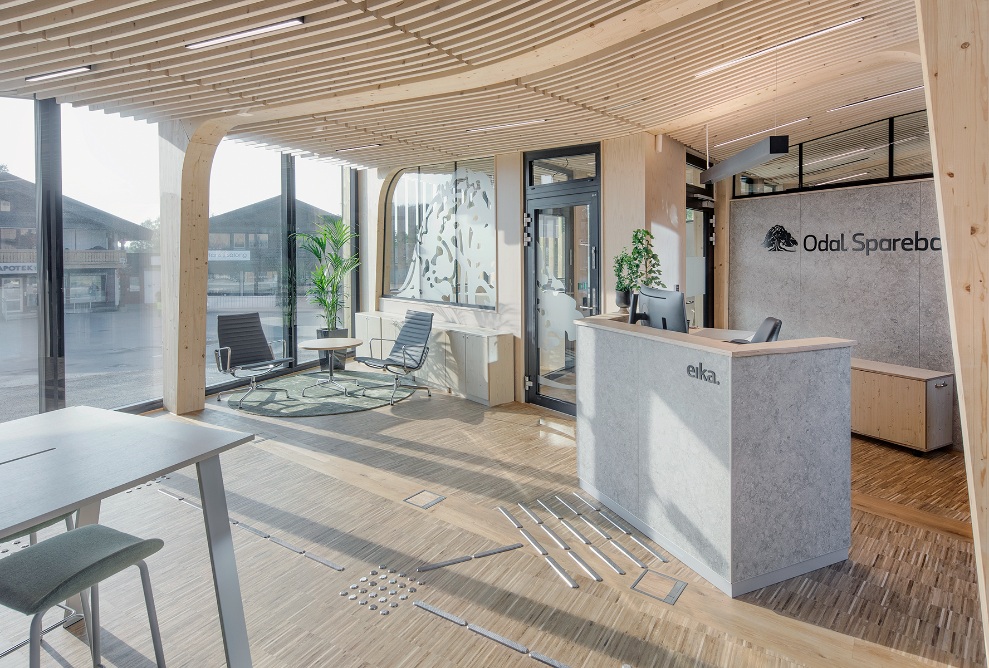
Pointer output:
34, 655
94, 617
149, 601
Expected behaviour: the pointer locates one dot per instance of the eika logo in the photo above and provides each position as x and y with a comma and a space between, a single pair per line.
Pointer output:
700, 373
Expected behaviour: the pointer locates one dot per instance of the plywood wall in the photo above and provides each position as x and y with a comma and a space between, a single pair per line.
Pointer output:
643, 184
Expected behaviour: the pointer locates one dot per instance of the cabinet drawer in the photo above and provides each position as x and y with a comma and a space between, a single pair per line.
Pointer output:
916, 412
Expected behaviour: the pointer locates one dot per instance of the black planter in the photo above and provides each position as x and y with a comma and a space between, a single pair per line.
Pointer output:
339, 357
623, 299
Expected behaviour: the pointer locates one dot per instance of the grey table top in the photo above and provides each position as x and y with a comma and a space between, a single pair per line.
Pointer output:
56, 462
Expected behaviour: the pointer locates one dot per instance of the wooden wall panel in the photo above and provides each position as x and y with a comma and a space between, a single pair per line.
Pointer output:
642, 186
955, 54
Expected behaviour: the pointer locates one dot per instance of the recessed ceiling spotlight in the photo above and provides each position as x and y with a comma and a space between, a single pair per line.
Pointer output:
357, 148
508, 125
878, 97
244, 34
762, 52
762, 132
60, 73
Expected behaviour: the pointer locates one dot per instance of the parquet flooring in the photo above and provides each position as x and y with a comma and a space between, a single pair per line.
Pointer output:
334, 486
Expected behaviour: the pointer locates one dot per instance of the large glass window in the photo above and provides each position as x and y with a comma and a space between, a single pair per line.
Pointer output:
319, 201
911, 145
18, 262
897, 147
440, 239
245, 199
112, 280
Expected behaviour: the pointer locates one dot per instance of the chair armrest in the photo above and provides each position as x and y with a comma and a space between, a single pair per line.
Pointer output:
284, 347
220, 366
271, 362
381, 350
406, 357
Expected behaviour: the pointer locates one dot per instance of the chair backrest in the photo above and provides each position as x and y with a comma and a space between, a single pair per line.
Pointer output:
242, 333
768, 331
410, 345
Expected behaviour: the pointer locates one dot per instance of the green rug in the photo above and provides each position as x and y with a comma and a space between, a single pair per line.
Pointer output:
322, 400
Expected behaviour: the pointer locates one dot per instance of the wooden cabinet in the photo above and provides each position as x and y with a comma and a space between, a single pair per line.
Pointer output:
904, 405
472, 362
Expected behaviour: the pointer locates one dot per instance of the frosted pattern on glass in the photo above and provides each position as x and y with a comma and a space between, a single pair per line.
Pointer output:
442, 246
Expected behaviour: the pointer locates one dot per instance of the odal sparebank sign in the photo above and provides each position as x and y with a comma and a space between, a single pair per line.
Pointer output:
779, 239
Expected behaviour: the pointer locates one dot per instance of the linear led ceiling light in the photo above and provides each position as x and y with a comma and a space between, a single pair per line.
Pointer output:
878, 97
247, 33
357, 148
762, 132
60, 73
758, 154
507, 125
770, 49
843, 178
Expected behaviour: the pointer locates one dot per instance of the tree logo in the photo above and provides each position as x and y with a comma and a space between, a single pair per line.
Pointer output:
778, 239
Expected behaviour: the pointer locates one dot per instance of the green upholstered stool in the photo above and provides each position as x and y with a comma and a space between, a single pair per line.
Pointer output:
35, 579
73, 615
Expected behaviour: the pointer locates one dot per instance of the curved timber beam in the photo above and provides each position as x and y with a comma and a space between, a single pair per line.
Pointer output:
954, 40
186, 151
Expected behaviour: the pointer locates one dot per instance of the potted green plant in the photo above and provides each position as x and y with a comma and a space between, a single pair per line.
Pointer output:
646, 260
328, 245
626, 279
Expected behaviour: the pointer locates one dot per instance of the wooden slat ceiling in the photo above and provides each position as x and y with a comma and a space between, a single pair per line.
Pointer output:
307, 88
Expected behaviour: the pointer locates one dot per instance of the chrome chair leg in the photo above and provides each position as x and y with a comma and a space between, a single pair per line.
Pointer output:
34, 656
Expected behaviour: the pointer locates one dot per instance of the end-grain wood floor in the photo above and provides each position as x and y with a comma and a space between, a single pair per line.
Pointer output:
335, 486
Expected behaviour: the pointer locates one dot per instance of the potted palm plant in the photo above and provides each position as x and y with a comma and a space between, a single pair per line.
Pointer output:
626, 279
328, 245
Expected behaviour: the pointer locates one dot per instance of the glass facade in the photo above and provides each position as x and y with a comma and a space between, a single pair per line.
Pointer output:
112, 260
440, 245
892, 148
18, 262
560, 169
247, 236
318, 201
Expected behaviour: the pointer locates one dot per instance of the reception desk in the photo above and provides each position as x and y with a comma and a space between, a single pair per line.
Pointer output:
734, 458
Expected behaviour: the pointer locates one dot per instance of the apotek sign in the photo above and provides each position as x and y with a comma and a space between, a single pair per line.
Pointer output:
19, 268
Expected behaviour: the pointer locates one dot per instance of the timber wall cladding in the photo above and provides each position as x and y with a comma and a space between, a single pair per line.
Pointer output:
893, 303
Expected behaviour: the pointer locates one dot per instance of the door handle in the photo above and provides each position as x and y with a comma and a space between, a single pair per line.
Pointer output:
594, 257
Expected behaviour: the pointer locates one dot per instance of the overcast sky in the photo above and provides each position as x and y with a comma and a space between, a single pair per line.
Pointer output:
112, 163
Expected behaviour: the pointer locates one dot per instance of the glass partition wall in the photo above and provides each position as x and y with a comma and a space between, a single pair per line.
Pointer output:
887, 150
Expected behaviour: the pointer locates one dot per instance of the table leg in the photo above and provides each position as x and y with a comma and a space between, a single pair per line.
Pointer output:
329, 381
89, 514
221, 552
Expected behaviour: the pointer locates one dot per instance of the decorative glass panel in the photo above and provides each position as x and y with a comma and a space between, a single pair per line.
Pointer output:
440, 245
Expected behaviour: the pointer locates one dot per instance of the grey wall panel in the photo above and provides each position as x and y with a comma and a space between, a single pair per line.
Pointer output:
873, 298
892, 303
755, 267
800, 511
674, 490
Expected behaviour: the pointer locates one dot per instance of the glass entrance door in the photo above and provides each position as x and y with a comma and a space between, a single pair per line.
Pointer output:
700, 268
562, 285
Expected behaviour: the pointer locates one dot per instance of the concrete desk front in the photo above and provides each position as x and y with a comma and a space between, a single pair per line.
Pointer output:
735, 458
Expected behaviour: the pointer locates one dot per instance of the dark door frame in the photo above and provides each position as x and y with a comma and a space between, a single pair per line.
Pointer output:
590, 198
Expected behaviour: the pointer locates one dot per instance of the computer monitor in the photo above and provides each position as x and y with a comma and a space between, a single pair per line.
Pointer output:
662, 309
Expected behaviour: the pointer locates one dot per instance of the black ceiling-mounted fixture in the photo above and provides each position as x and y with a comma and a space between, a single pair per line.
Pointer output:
755, 155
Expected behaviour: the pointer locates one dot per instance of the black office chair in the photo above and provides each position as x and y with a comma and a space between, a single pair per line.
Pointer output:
247, 353
768, 331
407, 355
